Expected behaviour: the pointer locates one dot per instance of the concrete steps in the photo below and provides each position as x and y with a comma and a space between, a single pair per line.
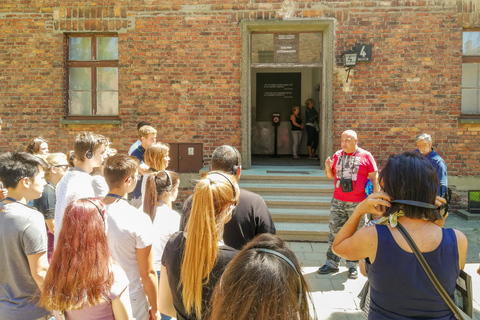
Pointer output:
298, 199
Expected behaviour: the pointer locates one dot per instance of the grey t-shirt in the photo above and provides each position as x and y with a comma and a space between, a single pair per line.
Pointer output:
22, 233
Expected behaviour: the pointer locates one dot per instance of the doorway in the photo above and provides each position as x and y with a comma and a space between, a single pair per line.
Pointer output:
278, 90
279, 56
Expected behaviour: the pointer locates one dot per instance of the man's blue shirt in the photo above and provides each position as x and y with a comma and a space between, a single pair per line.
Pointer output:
441, 169
138, 153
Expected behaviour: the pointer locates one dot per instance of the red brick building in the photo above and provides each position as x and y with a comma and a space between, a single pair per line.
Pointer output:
191, 68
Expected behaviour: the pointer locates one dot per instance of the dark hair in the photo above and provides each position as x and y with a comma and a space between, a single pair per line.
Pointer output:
117, 167
87, 141
33, 147
226, 158
18, 165
308, 101
142, 123
410, 176
71, 158
260, 285
158, 183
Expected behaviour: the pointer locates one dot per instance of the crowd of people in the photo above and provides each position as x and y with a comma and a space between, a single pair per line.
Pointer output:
93, 235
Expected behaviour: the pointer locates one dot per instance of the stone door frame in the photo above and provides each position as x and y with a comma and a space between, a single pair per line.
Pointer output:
327, 26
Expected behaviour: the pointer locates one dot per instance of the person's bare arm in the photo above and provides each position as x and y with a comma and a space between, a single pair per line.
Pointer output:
294, 121
355, 245
121, 306
149, 278
462, 244
373, 176
165, 299
38, 264
329, 168
50, 225
361, 266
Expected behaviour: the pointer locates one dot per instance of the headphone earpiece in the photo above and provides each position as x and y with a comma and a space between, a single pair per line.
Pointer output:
237, 167
89, 154
169, 184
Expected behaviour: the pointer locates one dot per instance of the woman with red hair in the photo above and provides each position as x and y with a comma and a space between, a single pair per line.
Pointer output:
82, 280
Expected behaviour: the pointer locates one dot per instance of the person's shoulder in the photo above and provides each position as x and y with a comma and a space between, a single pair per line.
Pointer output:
435, 156
24, 212
249, 195
175, 241
227, 252
124, 208
78, 177
363, 151
137, 152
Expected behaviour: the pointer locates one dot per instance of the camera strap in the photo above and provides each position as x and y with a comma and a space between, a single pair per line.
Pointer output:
353, 167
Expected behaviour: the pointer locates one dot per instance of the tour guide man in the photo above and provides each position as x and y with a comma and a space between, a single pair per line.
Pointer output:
350, 168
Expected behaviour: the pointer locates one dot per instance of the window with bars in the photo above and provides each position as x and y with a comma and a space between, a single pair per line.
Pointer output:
471, 73
92, 76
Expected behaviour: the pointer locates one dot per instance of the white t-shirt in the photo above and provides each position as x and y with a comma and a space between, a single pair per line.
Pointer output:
144, 186
99, 186
166, 223
128, 229
73, 186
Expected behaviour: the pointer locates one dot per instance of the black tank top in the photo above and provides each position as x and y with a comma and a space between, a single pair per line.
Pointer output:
299, 121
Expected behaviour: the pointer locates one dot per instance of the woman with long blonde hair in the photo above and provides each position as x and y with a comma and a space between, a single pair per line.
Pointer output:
194, 260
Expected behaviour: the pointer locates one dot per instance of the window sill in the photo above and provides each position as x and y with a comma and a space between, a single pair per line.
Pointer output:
469, 118
70, 121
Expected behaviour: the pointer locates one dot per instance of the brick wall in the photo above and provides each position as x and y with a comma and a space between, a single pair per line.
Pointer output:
180, 69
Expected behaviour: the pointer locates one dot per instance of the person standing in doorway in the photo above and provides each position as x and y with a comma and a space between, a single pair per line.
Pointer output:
297, 128
311, 116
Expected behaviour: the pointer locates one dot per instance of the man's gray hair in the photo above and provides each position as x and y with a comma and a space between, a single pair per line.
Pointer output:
424, 136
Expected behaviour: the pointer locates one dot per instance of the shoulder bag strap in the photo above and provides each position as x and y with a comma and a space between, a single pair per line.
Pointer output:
429, 272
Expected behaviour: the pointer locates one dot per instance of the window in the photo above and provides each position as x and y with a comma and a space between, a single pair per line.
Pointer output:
471, 73
92, 75
300, 48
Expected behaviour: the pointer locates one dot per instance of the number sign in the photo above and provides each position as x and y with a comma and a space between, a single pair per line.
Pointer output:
364, 52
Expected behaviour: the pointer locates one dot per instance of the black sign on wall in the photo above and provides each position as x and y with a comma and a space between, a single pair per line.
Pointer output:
364, 52
277, 93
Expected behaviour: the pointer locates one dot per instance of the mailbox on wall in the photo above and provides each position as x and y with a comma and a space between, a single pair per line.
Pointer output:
186, 157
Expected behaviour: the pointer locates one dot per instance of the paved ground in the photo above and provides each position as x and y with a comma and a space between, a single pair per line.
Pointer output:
335, 296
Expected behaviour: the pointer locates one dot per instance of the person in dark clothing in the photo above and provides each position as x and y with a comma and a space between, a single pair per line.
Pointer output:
194, 260
251, 214
57, 167
311, 116
399, 286
148, 136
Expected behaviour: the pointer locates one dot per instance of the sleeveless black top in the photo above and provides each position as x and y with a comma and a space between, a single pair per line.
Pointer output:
299, 121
